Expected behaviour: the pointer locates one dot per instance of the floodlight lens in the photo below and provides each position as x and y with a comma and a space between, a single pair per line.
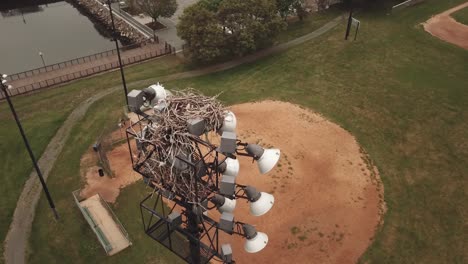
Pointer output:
257, 243
268, 160
232, 167
262, 205
4, 81
160, 92
224, 204
10, 86
4, 76
229, 123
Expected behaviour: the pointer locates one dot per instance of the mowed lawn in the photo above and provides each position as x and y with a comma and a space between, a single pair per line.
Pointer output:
404, 95
461, 15
400, 91
41, 115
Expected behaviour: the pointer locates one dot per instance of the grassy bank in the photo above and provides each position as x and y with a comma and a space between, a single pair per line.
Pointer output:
41, 115
71, 237
461, 16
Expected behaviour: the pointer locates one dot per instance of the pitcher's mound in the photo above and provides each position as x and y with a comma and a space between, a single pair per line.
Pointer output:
328, 195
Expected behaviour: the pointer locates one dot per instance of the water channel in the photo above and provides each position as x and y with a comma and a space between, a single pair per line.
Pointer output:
57, 30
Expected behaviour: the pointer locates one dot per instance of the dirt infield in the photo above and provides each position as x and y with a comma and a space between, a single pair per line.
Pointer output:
107, 187
328, 196
448, 29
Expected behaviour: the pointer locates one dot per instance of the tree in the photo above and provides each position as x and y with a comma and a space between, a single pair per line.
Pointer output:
321, 4
299, 8
158, 8
249, 24
216, 29
203, 35
286, 7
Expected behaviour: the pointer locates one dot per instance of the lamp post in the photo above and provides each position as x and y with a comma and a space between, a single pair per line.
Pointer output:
42, 58
109, 4
5, 88
22, 14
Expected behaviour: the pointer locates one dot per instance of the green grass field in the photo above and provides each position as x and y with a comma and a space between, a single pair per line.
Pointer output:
52, 107
461, 16
401, 92
41, 115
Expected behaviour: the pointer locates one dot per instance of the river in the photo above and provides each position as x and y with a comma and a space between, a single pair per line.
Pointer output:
57, 30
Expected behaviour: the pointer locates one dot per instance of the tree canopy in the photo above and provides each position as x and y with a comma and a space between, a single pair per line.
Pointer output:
215, 29
158, 8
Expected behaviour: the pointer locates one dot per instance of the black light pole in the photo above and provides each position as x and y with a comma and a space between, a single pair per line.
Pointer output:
118, 51
42, 58
348, 28
28, 147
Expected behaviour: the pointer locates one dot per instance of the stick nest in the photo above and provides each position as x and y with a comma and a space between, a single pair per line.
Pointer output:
166, 140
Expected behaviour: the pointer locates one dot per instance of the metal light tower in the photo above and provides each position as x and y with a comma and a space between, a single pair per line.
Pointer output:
191, 176
5, 88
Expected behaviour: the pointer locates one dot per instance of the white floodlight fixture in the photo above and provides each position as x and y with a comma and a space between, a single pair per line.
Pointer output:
223, 204
10, 87
229, 122
260, 202
4, 76
256, 241
4, 81
266, 158
155, 93
229, 167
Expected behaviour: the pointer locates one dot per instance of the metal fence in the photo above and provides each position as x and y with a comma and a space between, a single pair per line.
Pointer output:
95, 226
61, 65
168, 49
406, 4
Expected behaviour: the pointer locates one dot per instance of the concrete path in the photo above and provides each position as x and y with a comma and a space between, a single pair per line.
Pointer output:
110, 61
17, 238
169, 34
16, 241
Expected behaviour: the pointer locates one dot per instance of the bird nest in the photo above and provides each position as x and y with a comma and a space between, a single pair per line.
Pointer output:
169, 155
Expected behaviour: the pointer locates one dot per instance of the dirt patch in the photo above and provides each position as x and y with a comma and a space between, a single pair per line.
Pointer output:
328, 195
448, 29
155, 25
108, 187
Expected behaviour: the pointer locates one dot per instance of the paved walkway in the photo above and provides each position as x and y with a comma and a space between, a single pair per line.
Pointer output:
20, 228
169, 34
111, 61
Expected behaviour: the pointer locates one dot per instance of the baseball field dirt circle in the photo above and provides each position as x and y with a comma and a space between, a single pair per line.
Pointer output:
328, 195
